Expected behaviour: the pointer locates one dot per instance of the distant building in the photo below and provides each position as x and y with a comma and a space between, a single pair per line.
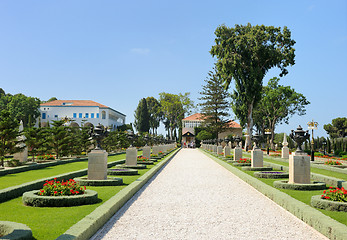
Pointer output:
196, 120
81, 111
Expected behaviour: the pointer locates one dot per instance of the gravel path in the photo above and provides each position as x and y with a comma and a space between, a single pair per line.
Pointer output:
193, 197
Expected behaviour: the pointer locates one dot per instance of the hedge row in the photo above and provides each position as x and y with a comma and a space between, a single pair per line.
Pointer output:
13, 230
17, 191
25, 168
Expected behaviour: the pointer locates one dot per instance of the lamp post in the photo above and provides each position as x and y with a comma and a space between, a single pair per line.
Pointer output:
268, 132
312, 125
324, 146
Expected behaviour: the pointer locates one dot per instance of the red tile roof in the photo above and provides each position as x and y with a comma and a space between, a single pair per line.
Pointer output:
194, 117
232, 124
75, 103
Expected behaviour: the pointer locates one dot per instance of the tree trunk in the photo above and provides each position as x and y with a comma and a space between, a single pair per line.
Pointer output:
250, 124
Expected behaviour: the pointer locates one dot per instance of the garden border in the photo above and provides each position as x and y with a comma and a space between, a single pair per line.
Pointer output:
14, 230
90, 224
318, 202
18, 190
322, 223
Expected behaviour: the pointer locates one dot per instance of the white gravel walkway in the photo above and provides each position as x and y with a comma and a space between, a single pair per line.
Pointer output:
193, 197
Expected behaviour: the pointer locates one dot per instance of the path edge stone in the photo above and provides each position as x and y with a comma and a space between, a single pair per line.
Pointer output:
89, 225
322, 223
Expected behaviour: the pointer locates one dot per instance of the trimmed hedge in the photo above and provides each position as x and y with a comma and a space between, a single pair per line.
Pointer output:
318, 202
122, 172
256, 168
272, 175
14, 231
32, 199
299, 186
110, 181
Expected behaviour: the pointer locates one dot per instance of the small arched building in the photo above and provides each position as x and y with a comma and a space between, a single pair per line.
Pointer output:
196, 120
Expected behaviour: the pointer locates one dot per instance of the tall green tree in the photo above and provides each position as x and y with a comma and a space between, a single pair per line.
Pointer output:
244, 55
215, 104
142, 116
338, 127
60, 138
155, 114
33, 140
9, 128
278, 104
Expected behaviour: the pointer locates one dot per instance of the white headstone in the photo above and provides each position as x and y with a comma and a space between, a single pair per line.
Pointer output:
146, 152
299, 168
131, 156
257, 158
97, 165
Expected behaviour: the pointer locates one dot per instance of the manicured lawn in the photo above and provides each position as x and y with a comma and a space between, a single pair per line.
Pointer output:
28, 176
49, 223
305, 197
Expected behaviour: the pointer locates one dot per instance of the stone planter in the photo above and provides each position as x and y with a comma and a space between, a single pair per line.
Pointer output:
272, 175
110, 181
318, 202
145, 162
299, 186
256, 168
122, 171
32, 199
13, 230
139, 166
241, 164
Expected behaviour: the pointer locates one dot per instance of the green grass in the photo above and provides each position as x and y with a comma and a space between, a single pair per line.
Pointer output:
304, 196
49, 223
10, 180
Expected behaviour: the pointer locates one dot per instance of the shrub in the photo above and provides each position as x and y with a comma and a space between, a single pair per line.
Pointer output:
160, 153
337, 194
154, 155
45, 157
332, 162
142, 158
63, 188
318, 154
229, 156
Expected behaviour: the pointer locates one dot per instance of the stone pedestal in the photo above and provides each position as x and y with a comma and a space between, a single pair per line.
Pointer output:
219, 150
146, 152
237, 153
97, 165
285, 152
299, 168
214, 148
131, 157
256, 158
155, 150
21, 156
227, 150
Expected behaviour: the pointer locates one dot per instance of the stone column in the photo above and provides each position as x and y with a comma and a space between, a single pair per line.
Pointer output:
131, 156
285, 149
227, 151
219, 150
97, 165
256, 158
299, 168
146, 152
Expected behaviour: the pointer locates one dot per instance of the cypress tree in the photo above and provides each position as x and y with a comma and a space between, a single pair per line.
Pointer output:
142, 116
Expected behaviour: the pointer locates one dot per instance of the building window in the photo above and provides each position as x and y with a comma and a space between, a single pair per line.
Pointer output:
75, 115
92, 115
87, 115
43, 115
103, 115
80, 115
56, 116
44, 108
97, 115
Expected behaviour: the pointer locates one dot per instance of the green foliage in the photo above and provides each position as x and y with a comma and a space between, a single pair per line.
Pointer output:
61, 188
277, 105
142, 116
155, 114
60, 138
335, 194
174, 108
204, 135
9, 128
245, 54
214, 105
115, 141
338, 128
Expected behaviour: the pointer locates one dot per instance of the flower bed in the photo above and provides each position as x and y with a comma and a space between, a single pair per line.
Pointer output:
332, 162
13, 230
122, 171
326, 204
271, 175
244, 160
33, 199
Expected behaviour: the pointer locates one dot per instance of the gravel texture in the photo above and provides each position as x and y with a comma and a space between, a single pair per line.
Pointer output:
193, 197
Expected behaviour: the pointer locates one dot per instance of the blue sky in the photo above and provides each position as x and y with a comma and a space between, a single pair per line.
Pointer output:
117, 52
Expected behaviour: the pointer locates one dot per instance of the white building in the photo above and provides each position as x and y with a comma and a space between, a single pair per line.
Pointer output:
81, 111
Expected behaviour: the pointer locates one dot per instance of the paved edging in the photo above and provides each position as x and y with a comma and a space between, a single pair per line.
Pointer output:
18, 190
322, 223
89, 225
